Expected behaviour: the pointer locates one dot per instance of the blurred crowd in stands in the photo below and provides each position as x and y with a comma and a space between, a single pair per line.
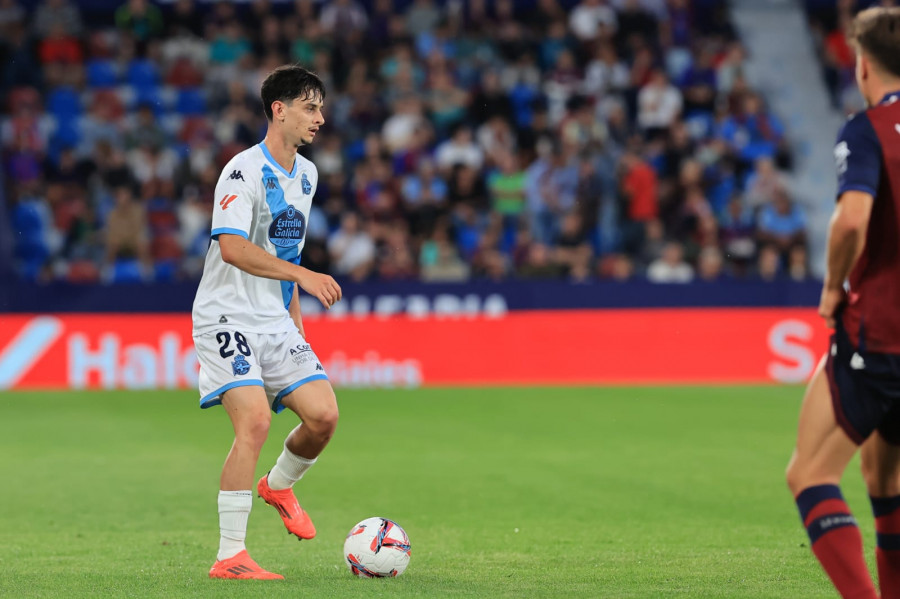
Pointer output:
829, 20
597, 139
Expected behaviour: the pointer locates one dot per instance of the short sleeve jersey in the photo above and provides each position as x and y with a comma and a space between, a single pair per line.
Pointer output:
868, 160
259, 200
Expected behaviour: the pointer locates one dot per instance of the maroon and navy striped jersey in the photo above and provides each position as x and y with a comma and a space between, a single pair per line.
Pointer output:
868, 159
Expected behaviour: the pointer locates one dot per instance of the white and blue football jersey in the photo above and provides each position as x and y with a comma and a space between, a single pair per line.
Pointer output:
259, 200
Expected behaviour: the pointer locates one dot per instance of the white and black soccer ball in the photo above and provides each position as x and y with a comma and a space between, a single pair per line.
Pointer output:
377, 548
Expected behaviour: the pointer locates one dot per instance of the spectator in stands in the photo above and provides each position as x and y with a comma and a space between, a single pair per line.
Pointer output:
60, 47
659, 104
798, 263
754, 133
539, 264
230, 45
781, 224
439, 261
573, 250
670, 267
638, 189
636, 24
506, 187
605, 73
738, 235
700, 84
185, 19
57, 14
127, 248
343, 18
764, 183
12, 16
592, 18
461, 148
710, 264
352, 249
768, 265
481, 133
140, 19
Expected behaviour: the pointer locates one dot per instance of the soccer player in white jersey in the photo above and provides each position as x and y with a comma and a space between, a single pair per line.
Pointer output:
248, 331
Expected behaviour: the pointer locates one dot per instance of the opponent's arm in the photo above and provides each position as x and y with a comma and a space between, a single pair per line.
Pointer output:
252, 259
294, 311
846, 241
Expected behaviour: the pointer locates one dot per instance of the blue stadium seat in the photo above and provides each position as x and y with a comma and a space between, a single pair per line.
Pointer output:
127, 271
30, 249
67, 135
101, 73
152, 97
190, 102
165, 270
142, 74
64, 104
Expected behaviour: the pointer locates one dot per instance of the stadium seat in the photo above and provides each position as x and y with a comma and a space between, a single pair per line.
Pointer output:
165, 271
101, 74
142, 74
190, 102
150, 96
64, 104
67, 134
127, 271
30, 249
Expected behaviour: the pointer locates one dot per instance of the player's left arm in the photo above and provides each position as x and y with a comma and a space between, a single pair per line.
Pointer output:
294, 311
858, 160
846, 241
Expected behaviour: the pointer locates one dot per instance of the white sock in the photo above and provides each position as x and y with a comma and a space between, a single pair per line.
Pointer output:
288, 469
234, 509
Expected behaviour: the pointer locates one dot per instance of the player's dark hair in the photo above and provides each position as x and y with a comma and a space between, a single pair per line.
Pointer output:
288, 83
876, 31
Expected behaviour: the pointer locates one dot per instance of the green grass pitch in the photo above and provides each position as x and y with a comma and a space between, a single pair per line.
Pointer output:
508, 492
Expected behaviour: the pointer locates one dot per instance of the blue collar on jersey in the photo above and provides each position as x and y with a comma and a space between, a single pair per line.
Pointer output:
890, 97
268, 155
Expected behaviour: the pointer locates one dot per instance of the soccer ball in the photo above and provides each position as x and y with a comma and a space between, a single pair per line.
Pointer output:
377, 548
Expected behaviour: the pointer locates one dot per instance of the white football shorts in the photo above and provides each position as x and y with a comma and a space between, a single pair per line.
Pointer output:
278, 362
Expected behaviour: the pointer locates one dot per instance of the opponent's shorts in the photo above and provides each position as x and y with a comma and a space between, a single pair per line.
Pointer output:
865, 389
278, 362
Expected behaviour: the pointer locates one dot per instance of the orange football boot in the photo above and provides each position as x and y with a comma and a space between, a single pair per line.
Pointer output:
241, 566
295, 519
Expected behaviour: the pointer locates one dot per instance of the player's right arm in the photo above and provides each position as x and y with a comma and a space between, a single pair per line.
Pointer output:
252, 259
231, 221
858, 158
846, 241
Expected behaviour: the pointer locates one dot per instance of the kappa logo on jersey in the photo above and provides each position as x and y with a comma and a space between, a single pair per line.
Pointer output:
240, 366
841, 154
235, 174
271, 183
307, 186
288, 228
226, 201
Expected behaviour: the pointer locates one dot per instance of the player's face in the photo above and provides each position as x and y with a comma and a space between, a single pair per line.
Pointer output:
303, 117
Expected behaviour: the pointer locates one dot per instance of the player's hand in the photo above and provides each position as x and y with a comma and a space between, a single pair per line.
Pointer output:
322, 287
829, 303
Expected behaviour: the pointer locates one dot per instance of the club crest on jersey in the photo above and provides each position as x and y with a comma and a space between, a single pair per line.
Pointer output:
240, 366
288, 228
305, 184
